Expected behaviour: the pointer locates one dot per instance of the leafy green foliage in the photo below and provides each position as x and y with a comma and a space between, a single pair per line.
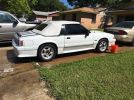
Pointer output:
106, 3
101, 78
32, 3
50, 5
20, 7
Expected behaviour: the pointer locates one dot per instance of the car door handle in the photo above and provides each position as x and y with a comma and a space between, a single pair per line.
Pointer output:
68, 38
0, 26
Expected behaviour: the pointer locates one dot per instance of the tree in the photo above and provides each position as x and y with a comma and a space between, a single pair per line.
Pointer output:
106, 3
18, 7
50, 5
32, 3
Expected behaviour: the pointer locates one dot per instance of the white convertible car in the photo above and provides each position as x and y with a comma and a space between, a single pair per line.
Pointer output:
59, 37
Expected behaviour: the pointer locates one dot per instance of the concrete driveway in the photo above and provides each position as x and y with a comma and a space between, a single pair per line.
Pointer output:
11, 65
19, 78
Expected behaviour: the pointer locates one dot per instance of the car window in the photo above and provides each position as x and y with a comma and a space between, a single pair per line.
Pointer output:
75, 29
63, 30
41, 26
125, 25
10, 17
4, 18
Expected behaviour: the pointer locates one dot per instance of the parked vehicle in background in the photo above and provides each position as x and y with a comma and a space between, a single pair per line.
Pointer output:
9, 24
59, 37
123, 31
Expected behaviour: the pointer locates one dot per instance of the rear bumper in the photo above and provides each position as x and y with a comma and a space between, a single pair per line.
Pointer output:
23, 51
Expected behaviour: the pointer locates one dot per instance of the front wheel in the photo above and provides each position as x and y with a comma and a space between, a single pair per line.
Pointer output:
102, 45
47, 52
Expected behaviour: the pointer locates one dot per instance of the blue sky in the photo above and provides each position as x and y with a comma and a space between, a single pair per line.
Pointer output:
66, 3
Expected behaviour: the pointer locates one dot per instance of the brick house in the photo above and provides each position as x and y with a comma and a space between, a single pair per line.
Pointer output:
88, 17
124, 13
42, 16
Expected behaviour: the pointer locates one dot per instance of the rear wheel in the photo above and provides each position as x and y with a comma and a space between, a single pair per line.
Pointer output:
102, 45
47, 52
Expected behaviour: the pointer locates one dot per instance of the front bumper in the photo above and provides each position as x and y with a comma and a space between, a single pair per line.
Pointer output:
23, 51
112, 42
124, 38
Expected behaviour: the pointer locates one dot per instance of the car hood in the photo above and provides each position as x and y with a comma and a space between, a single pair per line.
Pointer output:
31, 25
28, 25
100, 34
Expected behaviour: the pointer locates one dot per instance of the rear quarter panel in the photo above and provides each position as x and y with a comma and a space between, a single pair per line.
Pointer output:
38, 40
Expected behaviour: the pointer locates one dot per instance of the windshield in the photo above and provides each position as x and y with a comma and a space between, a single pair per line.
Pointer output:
41, 26
125, 25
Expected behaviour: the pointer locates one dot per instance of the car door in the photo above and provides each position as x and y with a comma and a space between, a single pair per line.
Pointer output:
8, 26
77, 38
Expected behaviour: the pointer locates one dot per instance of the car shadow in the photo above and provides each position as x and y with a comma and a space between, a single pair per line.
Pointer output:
123, 44
2, 45
11, 56
13, 59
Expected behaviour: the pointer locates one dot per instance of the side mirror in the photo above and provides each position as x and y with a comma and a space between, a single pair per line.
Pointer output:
15, 22
22, 20
87, 33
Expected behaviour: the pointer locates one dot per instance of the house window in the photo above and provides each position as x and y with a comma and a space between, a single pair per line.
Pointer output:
63, 17
129, 18
120, 18
74, 17
93, 18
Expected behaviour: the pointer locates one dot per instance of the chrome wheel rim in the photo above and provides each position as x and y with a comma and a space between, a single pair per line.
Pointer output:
47, 52
103, 46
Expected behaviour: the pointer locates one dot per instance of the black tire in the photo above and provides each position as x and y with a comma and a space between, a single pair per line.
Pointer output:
133, 42
43, 48
99, 47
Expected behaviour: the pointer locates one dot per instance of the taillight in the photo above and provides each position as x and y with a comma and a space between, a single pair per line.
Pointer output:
121, 32
21, 43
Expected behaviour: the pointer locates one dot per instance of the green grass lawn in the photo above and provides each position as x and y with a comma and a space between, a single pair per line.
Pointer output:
101, 78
